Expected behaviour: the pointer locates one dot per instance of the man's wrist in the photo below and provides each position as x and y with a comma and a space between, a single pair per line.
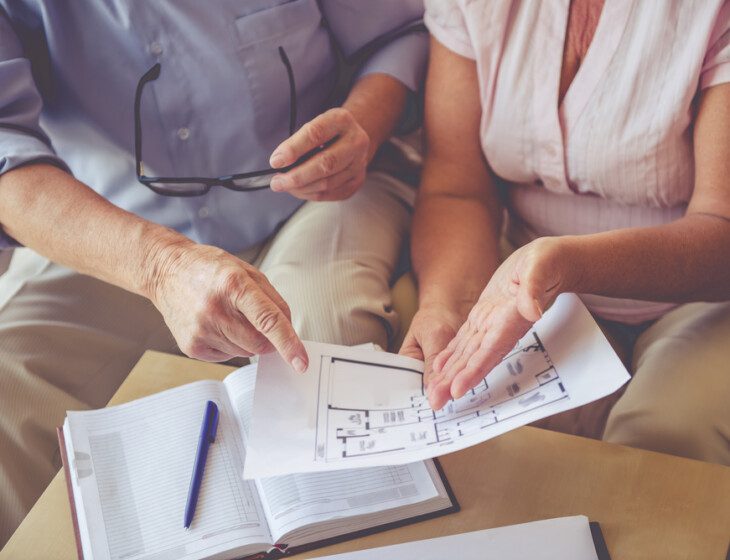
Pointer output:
162, 251
376, 101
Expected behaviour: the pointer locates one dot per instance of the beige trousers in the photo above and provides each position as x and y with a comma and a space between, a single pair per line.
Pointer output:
678, 399
67, 341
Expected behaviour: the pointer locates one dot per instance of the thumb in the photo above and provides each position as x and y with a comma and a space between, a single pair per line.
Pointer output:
529, 306
411, 348
435, 343
532, 296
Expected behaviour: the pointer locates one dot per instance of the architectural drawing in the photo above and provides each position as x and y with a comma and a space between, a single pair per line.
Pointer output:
393, 414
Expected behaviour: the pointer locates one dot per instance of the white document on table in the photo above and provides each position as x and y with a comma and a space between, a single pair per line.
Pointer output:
564, 538
357, 408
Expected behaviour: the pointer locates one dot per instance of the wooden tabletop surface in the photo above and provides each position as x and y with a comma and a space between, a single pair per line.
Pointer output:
650, 506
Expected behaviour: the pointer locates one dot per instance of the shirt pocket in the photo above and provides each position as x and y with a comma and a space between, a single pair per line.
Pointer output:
297, 28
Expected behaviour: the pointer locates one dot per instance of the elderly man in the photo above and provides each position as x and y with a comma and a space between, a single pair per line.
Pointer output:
137, 142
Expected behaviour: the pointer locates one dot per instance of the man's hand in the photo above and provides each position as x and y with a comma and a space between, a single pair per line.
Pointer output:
522, 287
335, 173
218, 306
352, 133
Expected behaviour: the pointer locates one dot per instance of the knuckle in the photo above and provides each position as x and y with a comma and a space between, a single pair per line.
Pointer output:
327, 162
258, 346
267, 321
315, 132
233, 281
341, 116
320, 186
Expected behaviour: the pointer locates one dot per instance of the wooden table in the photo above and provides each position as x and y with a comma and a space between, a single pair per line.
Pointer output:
649, 505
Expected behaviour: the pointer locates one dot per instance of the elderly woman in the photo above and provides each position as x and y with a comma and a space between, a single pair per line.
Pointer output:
602, 133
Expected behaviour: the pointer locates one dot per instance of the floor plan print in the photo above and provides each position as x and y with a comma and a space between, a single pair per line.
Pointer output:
353, 423
356, 408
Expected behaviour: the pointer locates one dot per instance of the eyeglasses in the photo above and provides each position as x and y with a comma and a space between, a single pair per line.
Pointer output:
198, 186
258, 180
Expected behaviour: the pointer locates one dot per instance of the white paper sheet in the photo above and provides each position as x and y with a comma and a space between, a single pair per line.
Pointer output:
564, 538
296, 500
356, 408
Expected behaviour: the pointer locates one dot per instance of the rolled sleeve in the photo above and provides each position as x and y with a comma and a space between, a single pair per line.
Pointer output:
22, 141
356, 24
716, 66
404, 59
445, 21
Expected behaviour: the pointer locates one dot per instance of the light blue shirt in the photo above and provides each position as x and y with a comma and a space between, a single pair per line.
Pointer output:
68, 72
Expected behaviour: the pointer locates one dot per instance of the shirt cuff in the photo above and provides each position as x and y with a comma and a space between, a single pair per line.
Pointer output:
404, 59
716, 75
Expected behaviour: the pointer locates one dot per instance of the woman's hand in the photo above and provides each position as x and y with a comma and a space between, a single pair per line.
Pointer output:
335, 173
431, 330
515, 297
218, 306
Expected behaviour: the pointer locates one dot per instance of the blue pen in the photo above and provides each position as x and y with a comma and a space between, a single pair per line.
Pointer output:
207, 436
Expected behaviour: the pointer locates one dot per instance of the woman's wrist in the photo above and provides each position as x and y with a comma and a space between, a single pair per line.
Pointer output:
563, 259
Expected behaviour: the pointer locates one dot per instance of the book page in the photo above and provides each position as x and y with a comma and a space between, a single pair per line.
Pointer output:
355, 408
294, 501
240, 387
132, 464
563, 538
297, 500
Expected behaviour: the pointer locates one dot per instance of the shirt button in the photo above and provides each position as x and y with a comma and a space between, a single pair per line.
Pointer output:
156, 48
551, 150
203, 212
183, 133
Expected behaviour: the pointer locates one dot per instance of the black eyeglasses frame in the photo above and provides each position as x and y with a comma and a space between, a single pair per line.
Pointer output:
163, 185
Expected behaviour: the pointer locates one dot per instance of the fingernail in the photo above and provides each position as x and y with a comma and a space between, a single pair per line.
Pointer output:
277, 159
299, 365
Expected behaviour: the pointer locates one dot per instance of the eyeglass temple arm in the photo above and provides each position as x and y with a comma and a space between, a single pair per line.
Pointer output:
292, 91
149, 76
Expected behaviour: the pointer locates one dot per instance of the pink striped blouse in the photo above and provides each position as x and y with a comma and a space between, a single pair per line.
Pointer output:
617, 152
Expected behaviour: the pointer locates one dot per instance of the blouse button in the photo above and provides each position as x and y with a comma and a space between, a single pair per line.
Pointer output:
183, 133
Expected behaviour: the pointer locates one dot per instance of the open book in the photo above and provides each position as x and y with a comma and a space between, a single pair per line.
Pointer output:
128, 469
